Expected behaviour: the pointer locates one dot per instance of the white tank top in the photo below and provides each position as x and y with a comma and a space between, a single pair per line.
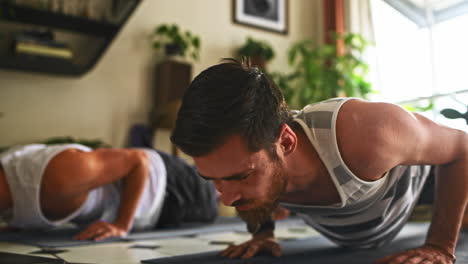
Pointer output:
103, 203
370, 214
24, 167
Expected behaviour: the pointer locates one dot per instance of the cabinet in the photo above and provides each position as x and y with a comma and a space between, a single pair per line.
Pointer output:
172, 77
171, 80
87, 38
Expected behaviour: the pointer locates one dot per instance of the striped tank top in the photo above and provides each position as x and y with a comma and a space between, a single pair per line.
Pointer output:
370, 213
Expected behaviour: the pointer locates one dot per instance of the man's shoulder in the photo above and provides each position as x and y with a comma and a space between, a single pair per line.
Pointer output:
366, 115
365, 136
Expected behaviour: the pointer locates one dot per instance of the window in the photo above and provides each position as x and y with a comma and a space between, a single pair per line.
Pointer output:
421, 55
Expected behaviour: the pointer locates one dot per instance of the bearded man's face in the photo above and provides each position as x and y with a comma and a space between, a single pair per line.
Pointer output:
264, 207
251, 181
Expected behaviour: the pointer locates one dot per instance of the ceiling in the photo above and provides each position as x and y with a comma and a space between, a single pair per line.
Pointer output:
437, 4
417, 10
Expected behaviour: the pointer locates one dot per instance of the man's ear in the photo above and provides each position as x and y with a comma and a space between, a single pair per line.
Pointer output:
287, 139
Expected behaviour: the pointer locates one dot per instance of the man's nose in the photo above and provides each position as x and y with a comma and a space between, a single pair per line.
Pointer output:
226, 195
229, 198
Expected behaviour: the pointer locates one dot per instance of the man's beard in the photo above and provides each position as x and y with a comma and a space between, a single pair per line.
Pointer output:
259, 215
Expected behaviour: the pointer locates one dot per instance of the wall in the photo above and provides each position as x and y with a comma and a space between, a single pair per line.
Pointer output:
116, 93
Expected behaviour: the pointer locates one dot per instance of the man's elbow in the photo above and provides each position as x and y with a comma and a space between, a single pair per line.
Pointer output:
141, 161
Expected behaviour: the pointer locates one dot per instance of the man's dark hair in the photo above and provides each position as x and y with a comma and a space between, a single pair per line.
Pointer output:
227, 99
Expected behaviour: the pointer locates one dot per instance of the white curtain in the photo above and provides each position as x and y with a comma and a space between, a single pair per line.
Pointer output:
358, 18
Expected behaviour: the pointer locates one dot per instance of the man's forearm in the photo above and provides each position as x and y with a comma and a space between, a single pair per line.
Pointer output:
450, 202
133, 188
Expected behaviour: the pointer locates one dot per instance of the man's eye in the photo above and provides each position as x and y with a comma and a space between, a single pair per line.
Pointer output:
203, 177
242, 177
246, 176
238, 177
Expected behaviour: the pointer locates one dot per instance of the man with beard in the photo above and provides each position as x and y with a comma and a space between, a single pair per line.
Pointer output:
351, 169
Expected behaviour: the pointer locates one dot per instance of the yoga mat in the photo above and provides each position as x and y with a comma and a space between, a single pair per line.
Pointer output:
319, 250
10, 258
64, 237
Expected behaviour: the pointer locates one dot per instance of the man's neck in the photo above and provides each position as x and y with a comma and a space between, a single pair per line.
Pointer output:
302, 166
308, 179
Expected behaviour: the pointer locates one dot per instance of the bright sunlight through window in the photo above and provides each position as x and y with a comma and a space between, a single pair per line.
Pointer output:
416, 63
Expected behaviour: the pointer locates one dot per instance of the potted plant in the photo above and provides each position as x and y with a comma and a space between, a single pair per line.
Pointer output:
320, 72
453, 114
175, 42
259, 52
172, 76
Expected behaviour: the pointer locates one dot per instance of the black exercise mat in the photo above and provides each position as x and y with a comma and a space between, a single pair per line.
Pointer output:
64, 237
10, 258
317, 249
49, 239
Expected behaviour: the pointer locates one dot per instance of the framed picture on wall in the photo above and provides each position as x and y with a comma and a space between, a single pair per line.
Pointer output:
271, 15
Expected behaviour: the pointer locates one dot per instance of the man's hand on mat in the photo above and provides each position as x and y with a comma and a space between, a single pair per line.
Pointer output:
280, 213
424, 255
100, 230
264, 242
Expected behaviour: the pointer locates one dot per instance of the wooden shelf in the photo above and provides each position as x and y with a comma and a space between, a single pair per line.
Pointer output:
27, 15
42, 65
56, 21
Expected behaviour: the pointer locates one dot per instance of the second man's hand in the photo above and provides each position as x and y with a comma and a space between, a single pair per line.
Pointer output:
263, 242
100, 230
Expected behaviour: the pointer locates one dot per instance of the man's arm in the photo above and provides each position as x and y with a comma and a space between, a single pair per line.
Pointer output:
90, 170
451, 197
397, 137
